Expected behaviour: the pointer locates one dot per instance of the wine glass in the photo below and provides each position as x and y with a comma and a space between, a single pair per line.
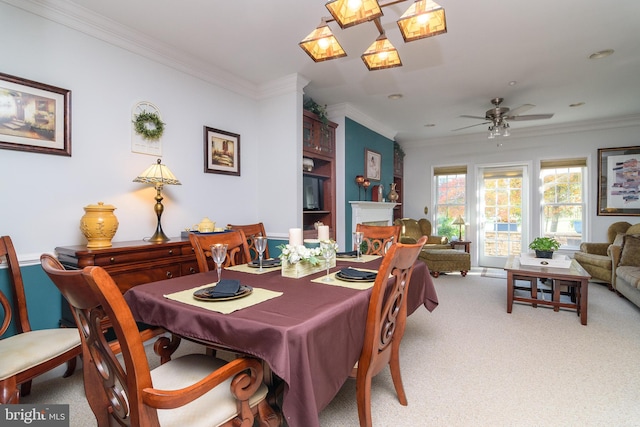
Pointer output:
219, 254
261, 244
358, 236
328, 251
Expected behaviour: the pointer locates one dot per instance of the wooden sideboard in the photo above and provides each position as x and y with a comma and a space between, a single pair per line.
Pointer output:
136, 262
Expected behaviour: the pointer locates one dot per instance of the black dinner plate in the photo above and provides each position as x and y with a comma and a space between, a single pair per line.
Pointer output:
205, 294
348, 278
266, 263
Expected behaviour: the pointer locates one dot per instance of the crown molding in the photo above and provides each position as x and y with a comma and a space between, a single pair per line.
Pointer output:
71, 15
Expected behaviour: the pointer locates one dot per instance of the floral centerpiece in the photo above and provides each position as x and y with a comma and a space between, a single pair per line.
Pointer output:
300, 261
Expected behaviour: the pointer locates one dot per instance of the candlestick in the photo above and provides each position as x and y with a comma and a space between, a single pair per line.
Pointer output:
323, 232
295, 236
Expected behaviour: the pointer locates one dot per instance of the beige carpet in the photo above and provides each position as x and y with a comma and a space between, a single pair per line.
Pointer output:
469, 363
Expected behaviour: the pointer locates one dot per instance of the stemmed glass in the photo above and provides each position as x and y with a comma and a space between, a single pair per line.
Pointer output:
357, 240
328, 251
219, 253
261, 245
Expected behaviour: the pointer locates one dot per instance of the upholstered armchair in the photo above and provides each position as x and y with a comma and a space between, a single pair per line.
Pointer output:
595, 257
413, 230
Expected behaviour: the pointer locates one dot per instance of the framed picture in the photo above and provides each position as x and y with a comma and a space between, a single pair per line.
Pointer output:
372, 164
619, 181
221, 152
34, 116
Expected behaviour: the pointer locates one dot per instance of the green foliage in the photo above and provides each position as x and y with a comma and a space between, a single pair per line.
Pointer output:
445, 228
397, 149
149, 125
544, 244
314, 107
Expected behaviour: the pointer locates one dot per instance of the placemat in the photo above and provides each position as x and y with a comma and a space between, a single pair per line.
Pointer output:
244, 268
225, 307
361, 286
363, 258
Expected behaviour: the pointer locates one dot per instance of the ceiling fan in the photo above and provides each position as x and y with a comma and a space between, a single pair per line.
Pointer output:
499, 117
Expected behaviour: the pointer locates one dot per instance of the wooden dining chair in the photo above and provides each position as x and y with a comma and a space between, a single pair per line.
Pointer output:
28, 353
237, 251
377, 238
251, 231
386, 319
193, 390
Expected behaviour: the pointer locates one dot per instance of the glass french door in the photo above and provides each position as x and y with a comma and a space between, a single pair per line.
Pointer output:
503, 212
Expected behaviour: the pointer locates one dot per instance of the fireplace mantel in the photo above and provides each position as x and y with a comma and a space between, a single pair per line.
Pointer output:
371, 212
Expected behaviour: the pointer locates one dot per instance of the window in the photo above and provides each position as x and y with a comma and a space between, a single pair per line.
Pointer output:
563, 201
450, 196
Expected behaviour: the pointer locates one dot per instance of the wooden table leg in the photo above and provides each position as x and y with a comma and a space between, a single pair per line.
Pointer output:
584, 291
510, 291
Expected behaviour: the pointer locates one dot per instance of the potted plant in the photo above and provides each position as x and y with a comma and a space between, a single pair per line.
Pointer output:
544, 246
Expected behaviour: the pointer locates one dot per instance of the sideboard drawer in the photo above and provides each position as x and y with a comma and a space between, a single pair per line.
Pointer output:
126, 279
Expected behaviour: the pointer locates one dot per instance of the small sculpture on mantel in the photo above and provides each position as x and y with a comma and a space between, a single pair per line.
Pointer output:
393, 194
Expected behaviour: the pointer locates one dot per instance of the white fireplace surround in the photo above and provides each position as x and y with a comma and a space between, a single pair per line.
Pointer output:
378, 213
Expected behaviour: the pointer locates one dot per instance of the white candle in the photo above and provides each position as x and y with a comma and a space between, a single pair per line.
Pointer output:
295, 236
323, 232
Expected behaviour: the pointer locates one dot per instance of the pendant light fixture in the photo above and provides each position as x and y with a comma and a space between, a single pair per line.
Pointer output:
424, 18
321, 45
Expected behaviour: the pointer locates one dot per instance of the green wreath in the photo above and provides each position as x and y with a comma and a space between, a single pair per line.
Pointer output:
154, 131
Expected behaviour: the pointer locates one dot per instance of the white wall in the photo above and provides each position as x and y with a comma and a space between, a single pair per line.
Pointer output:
524, 145
43, 195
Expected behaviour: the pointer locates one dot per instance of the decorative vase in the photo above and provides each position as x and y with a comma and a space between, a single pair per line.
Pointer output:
393, 194
544, 254
99, 225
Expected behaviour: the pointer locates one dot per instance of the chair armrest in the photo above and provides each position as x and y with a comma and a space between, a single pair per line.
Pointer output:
246, 371
614, 252
438, 240
594, 248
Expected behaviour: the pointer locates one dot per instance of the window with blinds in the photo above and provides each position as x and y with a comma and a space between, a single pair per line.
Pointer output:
450, 199
563, 200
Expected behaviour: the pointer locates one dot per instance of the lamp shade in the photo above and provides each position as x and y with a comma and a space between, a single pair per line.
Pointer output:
348, 13
157, 173
321, 44
381, 54
425, 18
458, 221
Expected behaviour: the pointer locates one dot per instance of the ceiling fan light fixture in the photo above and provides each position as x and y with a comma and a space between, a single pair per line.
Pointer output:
321, 44
348, 13
424, 18
381, 54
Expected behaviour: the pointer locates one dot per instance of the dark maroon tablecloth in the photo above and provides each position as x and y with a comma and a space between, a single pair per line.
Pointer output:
311, 336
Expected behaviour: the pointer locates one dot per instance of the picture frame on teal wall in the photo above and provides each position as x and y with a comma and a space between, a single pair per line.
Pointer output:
221, 152
34, 117
372, 164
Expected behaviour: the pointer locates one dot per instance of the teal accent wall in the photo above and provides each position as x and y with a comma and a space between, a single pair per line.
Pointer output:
357, 139
44, 301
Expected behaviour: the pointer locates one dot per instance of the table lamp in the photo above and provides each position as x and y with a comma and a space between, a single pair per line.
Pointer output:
158, 174
459, 222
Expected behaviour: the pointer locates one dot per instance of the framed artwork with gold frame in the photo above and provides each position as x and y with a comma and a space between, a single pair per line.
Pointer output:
619, 181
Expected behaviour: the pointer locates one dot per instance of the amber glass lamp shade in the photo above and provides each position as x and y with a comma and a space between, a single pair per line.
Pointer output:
348, 13
425, 18
321, 44
381, 54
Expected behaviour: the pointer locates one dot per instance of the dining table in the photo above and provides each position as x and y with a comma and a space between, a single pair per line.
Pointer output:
309, 332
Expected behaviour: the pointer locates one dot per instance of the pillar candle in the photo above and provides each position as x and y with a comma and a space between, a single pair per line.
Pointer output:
295, 236
323, 232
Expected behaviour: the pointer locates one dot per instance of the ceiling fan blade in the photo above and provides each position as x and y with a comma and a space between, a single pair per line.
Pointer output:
474, 117
521, 109
466, 127
529, 117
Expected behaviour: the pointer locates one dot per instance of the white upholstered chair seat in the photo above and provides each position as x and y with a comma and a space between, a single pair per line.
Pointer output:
23, 351
213, 408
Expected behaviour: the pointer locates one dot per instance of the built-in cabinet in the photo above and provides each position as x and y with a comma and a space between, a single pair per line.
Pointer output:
398, 172
319, 174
